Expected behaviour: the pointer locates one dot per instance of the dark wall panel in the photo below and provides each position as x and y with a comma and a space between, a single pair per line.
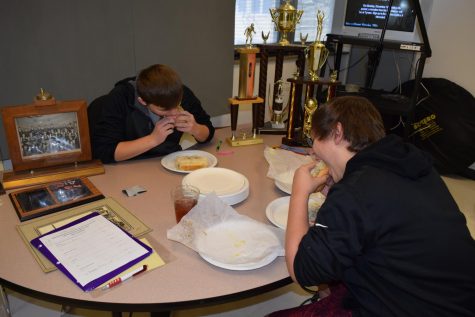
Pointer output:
70, 48
79, 49
195, 38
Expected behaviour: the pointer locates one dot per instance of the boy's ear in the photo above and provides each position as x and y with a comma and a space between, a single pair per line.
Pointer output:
338, 133
141, 101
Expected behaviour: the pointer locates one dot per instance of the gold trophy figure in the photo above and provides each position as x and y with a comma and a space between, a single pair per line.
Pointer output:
303, 39
265, 37
285, 18
334, 76
248, 33
44, 98
320, 17
310, 106
317, 52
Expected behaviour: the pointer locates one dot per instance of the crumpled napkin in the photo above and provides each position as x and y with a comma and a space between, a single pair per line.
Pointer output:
211, 212
283, 163
282, 166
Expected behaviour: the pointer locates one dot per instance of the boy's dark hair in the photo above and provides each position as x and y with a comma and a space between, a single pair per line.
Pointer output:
160, 85
361, 121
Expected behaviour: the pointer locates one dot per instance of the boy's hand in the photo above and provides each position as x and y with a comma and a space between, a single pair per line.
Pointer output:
185, 122
163, 128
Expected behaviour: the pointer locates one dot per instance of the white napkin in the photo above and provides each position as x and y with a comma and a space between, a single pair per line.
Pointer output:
283, 163
211, 214
282, 166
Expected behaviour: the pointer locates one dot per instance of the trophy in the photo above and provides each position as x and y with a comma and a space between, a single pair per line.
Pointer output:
285, 19
247, 63
279, 93
277, 108
317, 53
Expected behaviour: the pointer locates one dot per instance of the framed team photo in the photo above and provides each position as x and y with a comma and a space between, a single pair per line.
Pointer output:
47, 135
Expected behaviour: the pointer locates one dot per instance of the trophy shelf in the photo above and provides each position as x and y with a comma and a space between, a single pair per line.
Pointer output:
280, 52
308, 81
294, 135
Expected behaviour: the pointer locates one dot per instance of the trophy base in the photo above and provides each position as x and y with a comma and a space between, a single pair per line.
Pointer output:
270, 128
247, 141
284, 42
294, 142
245, 98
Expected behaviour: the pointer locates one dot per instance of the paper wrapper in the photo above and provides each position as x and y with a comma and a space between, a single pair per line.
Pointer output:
283, 163
250, 241
282, 166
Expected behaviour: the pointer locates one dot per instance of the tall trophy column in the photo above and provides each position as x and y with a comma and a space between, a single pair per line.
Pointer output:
317, 54
247, 65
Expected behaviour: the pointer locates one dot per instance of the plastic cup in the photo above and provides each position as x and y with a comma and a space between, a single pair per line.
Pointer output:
185, 197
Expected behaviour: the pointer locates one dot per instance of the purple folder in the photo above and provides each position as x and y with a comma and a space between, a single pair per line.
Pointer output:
95, 283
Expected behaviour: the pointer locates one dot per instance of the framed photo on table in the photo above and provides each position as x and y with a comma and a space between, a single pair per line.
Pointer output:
39, 136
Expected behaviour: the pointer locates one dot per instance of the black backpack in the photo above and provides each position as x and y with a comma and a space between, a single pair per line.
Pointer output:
444, 124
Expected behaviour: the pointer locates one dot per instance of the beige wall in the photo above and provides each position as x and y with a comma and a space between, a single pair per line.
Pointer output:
453, 42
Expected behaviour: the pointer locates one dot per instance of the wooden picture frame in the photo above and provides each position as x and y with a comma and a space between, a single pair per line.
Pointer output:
47, 135
52, 197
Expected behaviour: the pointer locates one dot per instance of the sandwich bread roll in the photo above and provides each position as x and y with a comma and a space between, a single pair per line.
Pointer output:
190, 162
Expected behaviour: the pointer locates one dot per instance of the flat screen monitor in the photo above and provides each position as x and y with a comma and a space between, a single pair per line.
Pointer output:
365, 18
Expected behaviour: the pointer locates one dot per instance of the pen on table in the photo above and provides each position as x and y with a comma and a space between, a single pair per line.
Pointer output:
218, 146
124, 277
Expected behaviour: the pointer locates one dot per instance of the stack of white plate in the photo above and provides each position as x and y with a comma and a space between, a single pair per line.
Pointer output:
232, 187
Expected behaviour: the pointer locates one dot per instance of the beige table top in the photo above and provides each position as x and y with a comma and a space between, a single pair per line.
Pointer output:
186, 280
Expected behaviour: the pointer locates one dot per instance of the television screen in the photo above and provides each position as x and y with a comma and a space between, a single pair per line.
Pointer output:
372, 14
365, 18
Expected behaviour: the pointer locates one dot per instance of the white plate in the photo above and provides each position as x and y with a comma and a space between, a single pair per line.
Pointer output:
277, 210
238, 245
169, 161
286, 188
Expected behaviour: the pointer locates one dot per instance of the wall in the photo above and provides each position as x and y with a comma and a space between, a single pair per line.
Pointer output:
451, 37
79, 49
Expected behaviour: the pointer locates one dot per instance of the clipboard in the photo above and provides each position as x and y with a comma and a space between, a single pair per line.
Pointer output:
82, 225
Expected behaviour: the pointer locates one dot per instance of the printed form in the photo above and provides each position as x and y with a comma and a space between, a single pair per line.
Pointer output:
92, 248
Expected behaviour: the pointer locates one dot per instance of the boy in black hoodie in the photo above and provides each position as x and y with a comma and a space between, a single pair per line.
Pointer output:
146, 116
389, 231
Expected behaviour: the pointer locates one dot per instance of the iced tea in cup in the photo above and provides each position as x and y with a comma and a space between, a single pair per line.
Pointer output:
184, 198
